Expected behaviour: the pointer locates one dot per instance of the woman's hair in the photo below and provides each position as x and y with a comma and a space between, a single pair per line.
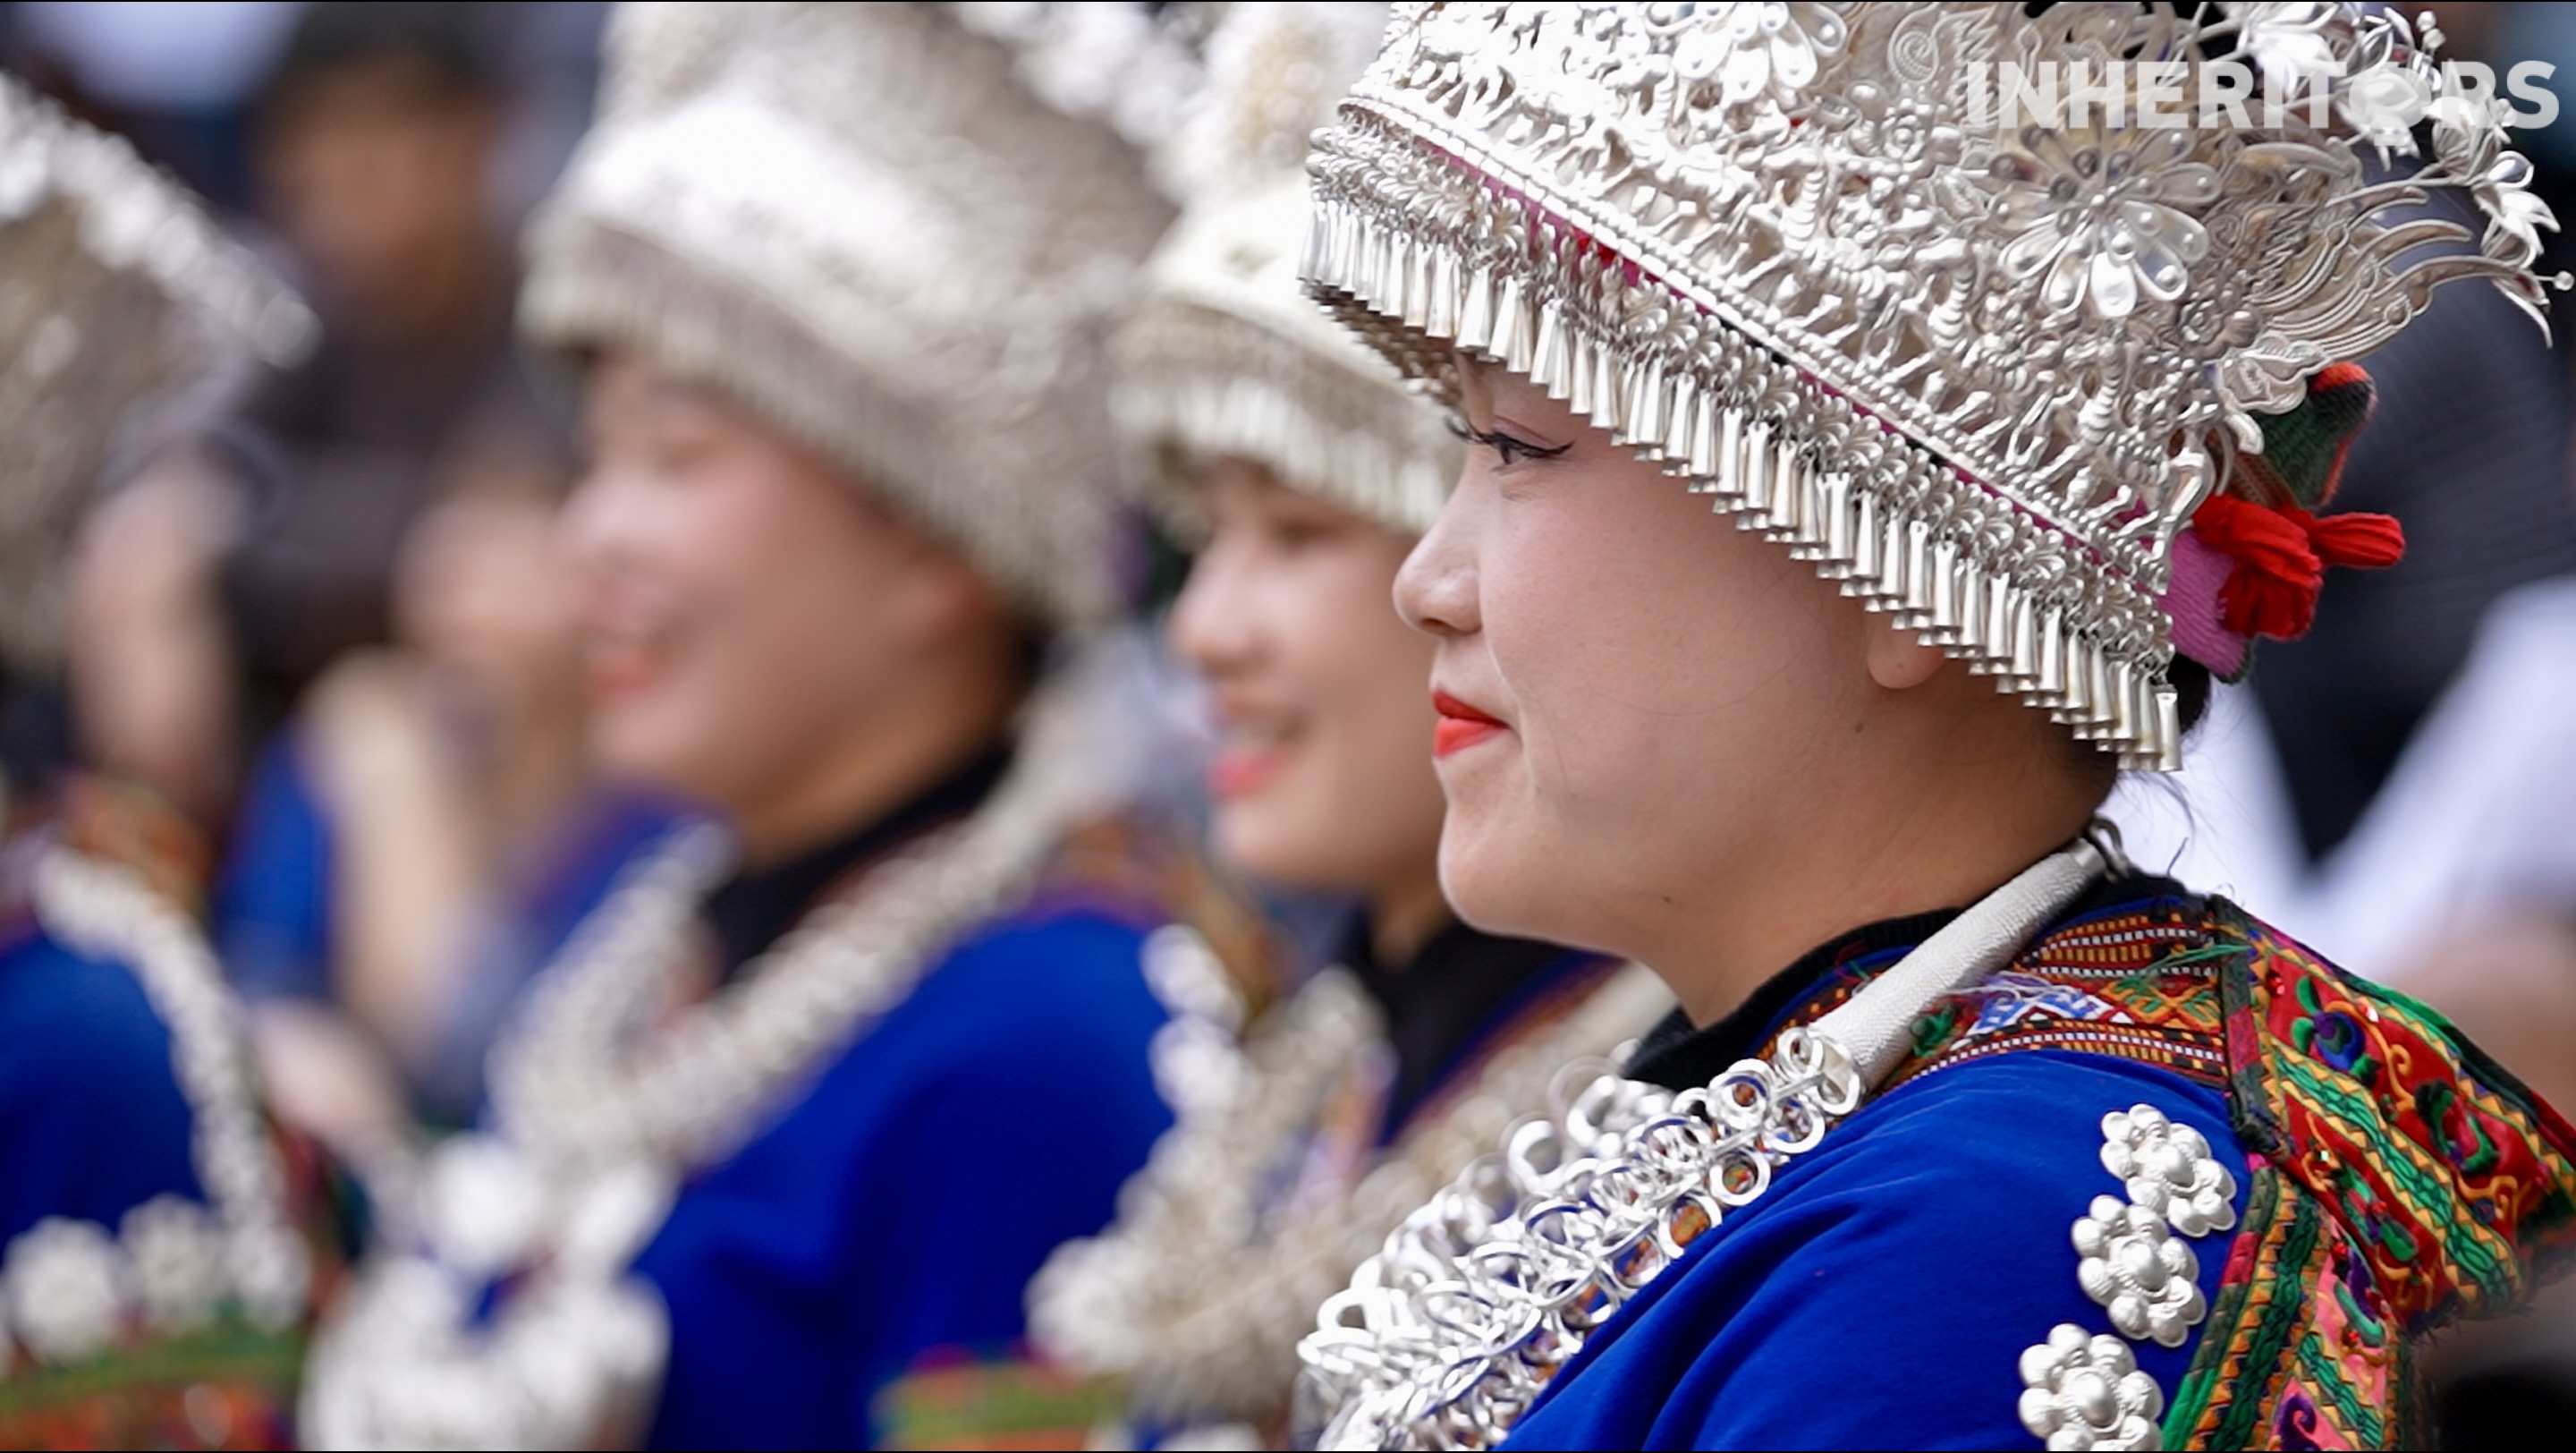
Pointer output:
2192, 685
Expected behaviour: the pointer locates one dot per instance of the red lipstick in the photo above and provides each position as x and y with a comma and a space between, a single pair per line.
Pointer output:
1461, 726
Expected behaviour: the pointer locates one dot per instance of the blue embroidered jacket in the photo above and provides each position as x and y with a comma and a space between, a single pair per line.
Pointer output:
1888, 1289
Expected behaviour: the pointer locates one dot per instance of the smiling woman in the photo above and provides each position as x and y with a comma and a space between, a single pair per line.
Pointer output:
1660, 735
1305, 471
723, 565
845, 527
1842, 516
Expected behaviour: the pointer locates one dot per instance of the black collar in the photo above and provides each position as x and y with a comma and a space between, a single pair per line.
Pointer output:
755, 909
1457, 988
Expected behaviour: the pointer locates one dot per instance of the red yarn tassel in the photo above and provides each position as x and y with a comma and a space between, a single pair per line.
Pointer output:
2281, 556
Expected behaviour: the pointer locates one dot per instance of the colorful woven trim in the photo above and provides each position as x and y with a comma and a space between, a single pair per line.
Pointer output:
229, 1386
2137, 982
2401, 1180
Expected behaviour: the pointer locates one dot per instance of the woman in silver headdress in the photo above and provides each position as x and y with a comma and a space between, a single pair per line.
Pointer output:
1304, 470
1862, 477
155, 1255
812, 1096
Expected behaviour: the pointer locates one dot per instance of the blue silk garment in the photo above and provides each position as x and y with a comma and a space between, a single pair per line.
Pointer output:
92, 1121
272, 918
1882, 1292
903, 1204
903, 1201
95, 1124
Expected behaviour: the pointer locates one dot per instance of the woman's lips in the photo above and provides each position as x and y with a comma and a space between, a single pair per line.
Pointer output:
1239, 771
617, 672
1461, 726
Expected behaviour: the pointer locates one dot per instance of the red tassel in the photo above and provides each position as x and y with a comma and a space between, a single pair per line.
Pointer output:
2364, 542
2281, 556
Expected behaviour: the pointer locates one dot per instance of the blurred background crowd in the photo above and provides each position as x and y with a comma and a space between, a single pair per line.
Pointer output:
337, 634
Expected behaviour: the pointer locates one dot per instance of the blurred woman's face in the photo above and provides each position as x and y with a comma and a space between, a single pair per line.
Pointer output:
480, 586
1637, 698
1322, 777
741, 602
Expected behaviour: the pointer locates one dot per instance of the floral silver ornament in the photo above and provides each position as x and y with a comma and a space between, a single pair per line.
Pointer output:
67, 1290
177, 1251
2139, 1271
2083, 1391
2168, 1169
2106, 214
1760, 46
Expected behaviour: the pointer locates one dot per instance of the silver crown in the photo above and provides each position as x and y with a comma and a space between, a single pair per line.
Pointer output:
126, 318
1223, 354
1981, 377
899, 232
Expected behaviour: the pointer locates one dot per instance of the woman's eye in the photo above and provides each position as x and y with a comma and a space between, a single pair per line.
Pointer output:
1508, 448
1296, 534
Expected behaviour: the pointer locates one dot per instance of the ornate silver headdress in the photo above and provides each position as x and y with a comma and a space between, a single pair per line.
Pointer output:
126, 318
1982, 377
897, 231
1223, 354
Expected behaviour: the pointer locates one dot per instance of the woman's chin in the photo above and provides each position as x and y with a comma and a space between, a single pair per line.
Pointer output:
1498, 884
633, 743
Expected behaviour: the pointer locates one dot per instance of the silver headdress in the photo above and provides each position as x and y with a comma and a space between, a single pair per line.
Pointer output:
1224, 355
126, 318
1983, 377
896, 231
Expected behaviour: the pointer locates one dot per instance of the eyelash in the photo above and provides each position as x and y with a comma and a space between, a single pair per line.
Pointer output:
1503, 445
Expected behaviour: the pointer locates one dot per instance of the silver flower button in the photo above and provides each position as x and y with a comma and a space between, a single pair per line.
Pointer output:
2169, 1169
2084, 1392
2139, 1271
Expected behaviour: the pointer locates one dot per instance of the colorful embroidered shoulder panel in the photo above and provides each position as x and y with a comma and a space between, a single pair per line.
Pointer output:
2401, 1179
2412, 1181
2138, 982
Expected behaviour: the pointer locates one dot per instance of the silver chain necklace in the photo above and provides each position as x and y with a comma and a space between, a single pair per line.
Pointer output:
1199, 1293
598, 1110
70, 1286
1448, 1334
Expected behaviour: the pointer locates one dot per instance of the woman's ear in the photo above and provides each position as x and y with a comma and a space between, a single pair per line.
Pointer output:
1898, 659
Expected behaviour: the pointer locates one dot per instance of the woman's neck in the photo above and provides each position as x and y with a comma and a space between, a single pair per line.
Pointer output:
940, 726
1944, 841
1406, 914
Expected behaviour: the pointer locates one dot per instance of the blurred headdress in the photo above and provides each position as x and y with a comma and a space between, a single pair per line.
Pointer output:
1223, 354
1982, 376
126, 320
897, 232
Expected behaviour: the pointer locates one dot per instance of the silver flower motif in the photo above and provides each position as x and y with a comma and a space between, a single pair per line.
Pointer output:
2101, 214
177, 1252
65, 1285
2139, 1271
2083, 1392
2169, 1170
1758, 46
